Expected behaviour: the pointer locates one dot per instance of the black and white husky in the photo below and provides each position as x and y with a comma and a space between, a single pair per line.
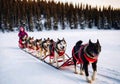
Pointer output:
85, 54
59, 50
45, 47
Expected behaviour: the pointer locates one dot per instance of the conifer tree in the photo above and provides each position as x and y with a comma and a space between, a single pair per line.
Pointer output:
30, 13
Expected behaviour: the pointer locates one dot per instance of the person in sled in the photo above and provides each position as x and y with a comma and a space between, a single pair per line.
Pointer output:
22, 36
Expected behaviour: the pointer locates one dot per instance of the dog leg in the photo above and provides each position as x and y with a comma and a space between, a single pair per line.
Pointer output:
56, 59
75, 69
88, 79
48, 50
81, 72
94, 75
63, 58
53, 60
50, 60
74, 61
85, 66
81, 69
94, 66
44, 53
38, 54
41, 53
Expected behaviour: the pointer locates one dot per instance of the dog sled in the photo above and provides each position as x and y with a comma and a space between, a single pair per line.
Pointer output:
62, 62
68, 60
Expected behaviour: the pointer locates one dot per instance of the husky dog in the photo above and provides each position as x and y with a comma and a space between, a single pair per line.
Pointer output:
38, 43
45, 46
85, 54
59, 50
30, 44
38, 49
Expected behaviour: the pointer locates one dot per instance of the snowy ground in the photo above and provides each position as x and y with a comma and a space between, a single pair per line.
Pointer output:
18, 67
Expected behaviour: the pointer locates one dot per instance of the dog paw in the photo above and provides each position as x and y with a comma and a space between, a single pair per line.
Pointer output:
76, 72
81, 73
93, 78
88, 80
51, 62
57, 66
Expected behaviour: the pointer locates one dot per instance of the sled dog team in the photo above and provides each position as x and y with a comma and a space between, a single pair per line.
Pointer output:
42, 48
82, 54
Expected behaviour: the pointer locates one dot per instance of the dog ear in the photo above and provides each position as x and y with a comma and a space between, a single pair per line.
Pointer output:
58, 39
63, 38
99, 46
90, 41
48, 38
98, 41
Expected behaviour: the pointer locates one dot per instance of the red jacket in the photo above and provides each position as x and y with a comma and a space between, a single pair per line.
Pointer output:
21, 34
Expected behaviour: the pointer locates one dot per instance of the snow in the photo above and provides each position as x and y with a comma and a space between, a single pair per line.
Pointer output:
19, 67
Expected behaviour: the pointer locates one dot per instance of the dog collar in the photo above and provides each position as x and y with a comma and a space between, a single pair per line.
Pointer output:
91, 60
61, 53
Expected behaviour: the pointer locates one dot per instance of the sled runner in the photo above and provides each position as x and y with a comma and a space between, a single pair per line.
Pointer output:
62, 63
68, 60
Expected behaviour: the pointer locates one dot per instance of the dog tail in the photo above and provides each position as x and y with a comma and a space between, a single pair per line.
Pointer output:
79, 43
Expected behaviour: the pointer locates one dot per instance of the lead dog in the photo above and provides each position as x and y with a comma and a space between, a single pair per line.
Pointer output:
85, 54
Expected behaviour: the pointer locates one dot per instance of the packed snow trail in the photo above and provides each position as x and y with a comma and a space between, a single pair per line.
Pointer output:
19, 67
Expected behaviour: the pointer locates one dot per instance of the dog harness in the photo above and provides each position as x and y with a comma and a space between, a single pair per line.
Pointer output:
87, 56
59, 52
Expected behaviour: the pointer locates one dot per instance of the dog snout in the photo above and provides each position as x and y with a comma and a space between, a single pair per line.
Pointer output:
95, 54
63, 47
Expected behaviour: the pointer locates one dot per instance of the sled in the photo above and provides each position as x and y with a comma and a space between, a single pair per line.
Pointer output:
20, 44
67, 62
